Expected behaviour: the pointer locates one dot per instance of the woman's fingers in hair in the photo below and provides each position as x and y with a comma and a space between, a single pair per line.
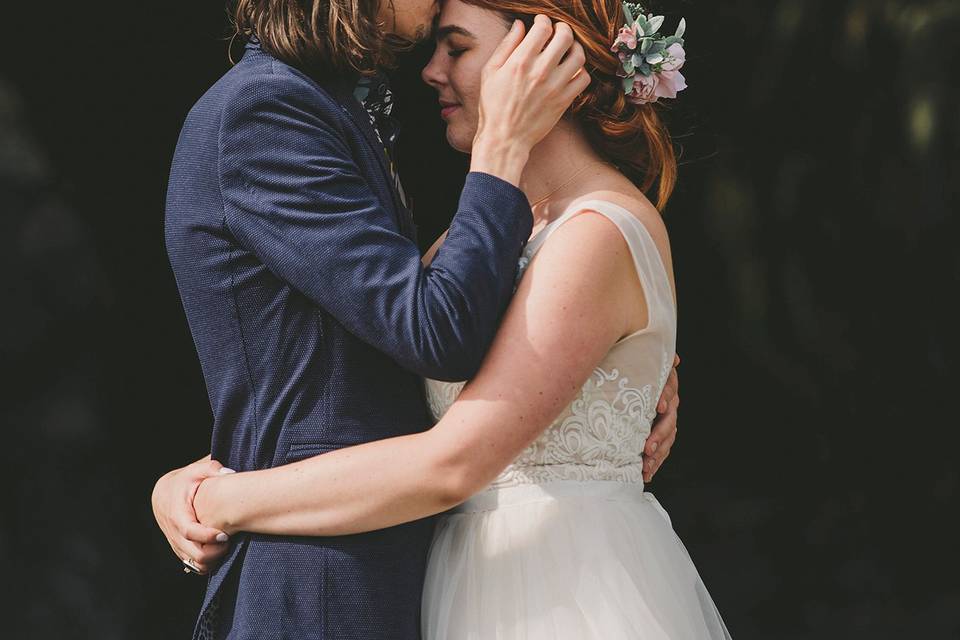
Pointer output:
509, 44
572, 71
533, 43
558, 46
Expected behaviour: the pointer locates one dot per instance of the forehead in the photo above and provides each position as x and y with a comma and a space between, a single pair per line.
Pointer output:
476, 20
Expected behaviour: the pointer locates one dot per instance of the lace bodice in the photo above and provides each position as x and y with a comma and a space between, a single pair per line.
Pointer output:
601, 434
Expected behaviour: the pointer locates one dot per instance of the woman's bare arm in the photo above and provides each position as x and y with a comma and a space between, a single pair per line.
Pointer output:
569, 310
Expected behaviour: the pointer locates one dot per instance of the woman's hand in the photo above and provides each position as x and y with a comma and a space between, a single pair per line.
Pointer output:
172, 501
664, 432
528, 84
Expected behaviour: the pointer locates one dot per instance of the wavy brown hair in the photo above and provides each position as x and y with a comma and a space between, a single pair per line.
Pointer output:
631, 136
317, 36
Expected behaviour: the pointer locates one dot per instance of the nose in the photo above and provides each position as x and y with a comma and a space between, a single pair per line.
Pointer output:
434, 74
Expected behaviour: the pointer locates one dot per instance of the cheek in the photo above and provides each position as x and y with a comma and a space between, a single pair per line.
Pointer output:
465, 80
467, 73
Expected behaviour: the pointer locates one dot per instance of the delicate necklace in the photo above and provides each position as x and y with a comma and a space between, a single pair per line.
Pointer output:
569, 180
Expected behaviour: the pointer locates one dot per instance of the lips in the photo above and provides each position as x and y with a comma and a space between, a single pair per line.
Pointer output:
447, 108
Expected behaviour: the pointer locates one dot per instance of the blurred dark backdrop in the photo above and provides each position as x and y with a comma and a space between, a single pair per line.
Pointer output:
815, 480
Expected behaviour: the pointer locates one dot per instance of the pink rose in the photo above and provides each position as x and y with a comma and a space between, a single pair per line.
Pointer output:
644, 89
628, 37
670, 84
675, 57
649, 89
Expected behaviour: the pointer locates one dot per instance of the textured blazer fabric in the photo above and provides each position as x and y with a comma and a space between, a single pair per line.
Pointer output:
314, 323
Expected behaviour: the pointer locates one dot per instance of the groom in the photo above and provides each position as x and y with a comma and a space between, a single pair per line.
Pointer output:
314, 320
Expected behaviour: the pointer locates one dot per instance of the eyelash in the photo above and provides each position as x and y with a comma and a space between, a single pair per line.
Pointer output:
456, 53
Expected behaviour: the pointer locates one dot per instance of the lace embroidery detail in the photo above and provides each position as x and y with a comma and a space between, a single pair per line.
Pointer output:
601, 434
599, 437
441, 395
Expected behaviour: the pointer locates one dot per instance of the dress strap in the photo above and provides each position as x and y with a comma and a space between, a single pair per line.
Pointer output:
651, 270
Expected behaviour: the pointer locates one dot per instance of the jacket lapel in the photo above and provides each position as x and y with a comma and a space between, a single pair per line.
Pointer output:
361, 119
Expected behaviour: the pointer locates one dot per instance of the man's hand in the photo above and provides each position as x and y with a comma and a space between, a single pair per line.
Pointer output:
527, 85
664, 431
173, 509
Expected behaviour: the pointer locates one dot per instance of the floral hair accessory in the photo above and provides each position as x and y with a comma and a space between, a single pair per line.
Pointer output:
649, 61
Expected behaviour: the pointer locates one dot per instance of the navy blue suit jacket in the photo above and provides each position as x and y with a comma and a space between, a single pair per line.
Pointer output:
314, 322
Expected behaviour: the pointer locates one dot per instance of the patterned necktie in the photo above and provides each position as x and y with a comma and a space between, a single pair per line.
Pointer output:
374, 93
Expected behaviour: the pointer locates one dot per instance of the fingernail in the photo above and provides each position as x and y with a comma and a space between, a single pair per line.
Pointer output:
225, 471
653, 447
222, 537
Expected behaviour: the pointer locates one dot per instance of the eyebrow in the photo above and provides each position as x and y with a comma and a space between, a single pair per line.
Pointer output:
444, 32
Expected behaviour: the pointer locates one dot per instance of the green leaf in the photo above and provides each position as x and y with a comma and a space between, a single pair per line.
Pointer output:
627, 12
655, 58
682, 28
642, 28
645, 45
628, 84
672, 40
655, 23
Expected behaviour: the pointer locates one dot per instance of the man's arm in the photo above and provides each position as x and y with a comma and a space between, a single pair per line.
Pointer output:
432, 251
497, 415
174, 492
294, 196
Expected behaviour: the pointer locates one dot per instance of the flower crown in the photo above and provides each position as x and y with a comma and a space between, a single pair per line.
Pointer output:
649, 62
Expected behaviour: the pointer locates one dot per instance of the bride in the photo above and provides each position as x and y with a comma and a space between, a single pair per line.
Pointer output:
549, 534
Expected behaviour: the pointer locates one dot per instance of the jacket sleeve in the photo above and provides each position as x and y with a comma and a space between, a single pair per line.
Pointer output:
294, 196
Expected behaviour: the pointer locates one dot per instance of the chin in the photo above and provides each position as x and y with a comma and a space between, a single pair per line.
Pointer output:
460, 143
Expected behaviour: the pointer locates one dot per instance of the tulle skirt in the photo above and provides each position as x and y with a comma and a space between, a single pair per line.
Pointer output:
564, 561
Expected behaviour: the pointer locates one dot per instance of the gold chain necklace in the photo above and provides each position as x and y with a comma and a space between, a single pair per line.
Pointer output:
575, 175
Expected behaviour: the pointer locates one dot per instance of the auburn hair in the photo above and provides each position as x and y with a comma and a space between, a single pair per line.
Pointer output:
318, 36
631, 136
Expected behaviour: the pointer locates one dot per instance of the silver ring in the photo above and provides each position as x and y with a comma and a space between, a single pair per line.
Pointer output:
189, 566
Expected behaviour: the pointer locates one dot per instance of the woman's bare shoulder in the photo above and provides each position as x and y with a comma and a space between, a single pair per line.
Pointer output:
639, 206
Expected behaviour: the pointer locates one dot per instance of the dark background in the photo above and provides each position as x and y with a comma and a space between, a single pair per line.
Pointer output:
814, 230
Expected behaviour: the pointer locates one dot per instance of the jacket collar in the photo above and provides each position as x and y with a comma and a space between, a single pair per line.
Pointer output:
343, 89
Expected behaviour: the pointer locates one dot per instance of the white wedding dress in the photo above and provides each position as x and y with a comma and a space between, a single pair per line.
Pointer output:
565, 544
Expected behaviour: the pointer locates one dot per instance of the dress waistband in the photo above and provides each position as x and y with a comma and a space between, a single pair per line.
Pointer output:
520, 494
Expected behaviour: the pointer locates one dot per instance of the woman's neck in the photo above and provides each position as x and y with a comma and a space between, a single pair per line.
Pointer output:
561, 160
